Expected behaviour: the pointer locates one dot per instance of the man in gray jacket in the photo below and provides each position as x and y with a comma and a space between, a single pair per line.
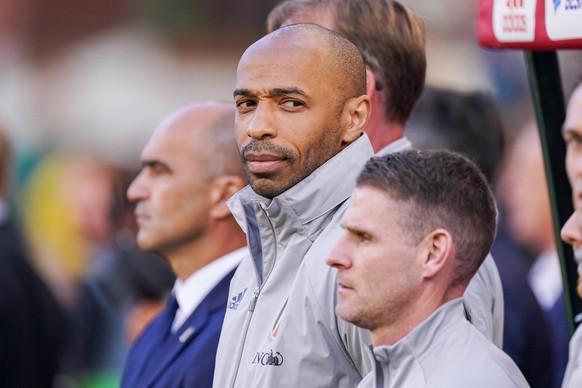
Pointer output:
302, 108
430, 217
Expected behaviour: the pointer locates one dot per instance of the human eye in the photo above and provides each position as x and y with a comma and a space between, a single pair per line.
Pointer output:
245, 105
292, 105
572, 139
359, 236
156, 168
363, 237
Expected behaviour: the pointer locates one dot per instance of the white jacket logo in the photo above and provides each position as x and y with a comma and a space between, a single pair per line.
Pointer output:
264, 358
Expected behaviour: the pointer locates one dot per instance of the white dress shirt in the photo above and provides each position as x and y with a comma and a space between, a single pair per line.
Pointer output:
190, 292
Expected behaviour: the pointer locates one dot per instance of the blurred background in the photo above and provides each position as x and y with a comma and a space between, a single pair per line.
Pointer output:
83, 84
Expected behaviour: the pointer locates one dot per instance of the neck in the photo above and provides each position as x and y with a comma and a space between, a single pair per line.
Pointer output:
379, 130
189, 258
426, 303
384, 135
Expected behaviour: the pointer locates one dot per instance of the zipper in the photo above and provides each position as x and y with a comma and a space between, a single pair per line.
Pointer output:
245, 332
254, 299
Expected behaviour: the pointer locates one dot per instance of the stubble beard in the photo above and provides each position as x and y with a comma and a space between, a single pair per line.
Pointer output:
270, 185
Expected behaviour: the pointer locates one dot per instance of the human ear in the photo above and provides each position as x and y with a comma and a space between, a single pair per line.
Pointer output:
358, 111
220, 190
438, 250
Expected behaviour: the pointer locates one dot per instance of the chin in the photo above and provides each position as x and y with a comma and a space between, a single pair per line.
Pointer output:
144, 244
266, 190
344, 313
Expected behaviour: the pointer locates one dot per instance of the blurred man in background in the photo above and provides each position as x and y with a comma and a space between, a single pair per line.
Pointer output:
524, 192
32, 323
190, 169
572, 230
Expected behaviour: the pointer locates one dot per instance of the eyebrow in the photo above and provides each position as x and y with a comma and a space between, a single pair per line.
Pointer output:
272, 92
292, 90
241, 92
351, 229
152, 163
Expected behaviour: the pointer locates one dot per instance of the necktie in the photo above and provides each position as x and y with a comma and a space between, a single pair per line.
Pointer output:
170, 312
172, 305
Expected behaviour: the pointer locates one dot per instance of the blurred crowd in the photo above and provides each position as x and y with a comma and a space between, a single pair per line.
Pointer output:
80, 94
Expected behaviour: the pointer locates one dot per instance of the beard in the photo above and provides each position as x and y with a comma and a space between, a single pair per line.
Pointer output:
266, 184
271, 184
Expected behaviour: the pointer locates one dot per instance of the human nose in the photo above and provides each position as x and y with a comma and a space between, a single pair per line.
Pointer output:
339, 256
262, 123
136, 190
571, 232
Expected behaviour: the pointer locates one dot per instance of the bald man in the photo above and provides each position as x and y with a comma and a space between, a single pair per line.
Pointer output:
301, 110
190, 169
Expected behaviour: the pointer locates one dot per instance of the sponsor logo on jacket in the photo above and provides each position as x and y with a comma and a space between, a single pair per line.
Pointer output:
268, 358
235, 300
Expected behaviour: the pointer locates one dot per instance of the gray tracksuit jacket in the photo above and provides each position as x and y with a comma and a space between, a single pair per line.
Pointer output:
444, 351
280, 328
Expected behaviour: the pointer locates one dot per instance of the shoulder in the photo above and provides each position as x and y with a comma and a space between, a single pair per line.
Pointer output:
464, 356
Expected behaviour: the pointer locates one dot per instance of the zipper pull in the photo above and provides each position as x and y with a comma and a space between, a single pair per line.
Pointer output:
253, 301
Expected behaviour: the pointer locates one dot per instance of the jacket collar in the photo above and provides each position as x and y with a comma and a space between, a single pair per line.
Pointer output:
420, 339
401, 361
317, 194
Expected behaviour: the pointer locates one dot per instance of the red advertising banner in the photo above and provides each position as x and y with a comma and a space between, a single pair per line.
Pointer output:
530, 24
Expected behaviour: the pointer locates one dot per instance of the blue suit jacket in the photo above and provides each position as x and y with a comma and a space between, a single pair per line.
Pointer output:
185, 358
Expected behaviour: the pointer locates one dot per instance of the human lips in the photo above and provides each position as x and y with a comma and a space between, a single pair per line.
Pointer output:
263, 162
140, 216
343, 287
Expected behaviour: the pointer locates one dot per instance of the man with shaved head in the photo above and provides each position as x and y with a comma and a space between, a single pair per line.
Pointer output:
190, 169
301, 112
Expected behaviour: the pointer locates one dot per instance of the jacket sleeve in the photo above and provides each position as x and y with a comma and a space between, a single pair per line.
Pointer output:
483, 301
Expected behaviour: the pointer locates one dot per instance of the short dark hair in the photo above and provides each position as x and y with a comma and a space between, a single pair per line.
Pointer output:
390, 37
439, 189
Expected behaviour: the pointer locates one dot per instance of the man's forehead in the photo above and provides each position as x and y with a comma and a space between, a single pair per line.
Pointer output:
286, 71
167, 141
